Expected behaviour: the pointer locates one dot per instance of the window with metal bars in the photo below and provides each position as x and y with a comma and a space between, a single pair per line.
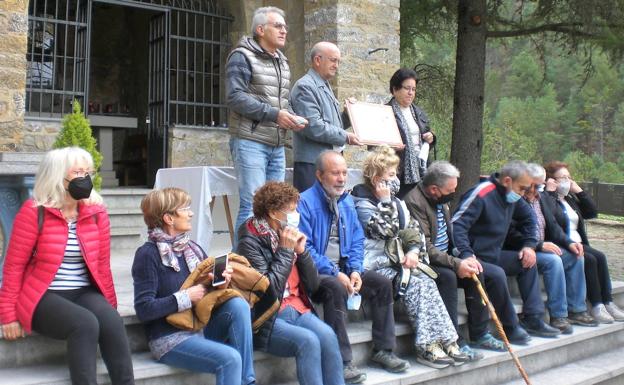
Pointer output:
57, 56
198, 50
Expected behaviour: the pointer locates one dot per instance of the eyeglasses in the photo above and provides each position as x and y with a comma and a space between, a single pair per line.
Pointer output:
279, 26
334, 60
82, 173
566, 177
187, 208
408, 89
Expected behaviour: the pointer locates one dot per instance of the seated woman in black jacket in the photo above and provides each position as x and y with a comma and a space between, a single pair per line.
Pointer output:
574, 206
272, 243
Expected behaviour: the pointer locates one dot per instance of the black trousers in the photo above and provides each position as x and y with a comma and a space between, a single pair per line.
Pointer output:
447, 286
597, 276
304, 175
85, 319
377, 290
494, 280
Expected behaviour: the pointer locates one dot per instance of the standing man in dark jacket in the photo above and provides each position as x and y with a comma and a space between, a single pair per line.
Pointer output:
559, 259
428, 203
480, 226
312, 98
257, 91
335, 240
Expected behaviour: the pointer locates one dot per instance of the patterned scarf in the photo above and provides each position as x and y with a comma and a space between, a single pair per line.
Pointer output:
169, 245
260, 227
410, 164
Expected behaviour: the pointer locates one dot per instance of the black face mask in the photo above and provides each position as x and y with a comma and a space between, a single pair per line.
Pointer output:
80, 187
446, 198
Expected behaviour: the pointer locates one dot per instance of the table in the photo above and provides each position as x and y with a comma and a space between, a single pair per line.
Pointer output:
205, 184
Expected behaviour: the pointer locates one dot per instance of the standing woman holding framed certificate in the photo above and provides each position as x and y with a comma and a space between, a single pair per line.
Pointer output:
414, 129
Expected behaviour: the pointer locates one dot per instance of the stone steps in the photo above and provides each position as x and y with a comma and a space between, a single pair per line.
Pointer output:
39, 360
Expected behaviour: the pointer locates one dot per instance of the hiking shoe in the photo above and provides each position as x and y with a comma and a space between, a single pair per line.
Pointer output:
562, 324
600, 314
433, 356
518, 336
472, 354
452, 350
389, 361
353, 375
489, 342
615, 311
536, 327
581, 318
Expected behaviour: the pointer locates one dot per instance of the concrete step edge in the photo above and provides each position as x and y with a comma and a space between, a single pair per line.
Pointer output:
591, 370
146, 367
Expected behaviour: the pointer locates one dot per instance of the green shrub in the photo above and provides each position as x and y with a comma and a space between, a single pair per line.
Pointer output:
76, 131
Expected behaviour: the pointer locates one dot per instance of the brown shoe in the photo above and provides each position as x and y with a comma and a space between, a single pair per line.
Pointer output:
561, 324
582, 318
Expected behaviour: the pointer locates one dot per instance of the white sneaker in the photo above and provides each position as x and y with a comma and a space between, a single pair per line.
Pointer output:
615, 311
600, 314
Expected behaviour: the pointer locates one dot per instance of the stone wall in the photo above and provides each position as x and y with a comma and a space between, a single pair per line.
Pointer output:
13, 29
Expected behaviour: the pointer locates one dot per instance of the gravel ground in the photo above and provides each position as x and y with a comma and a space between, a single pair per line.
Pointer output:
608, 237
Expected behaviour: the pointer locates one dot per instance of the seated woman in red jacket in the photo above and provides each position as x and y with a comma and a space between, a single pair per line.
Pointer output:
57, 279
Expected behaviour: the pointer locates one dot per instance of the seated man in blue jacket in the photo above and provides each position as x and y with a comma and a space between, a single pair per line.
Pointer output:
480, 226
559, 259
335, 240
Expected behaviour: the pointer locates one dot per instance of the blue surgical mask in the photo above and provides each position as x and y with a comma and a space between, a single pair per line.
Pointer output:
541, 187
512, 196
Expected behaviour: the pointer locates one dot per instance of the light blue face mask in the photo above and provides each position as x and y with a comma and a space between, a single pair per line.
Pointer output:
512, 196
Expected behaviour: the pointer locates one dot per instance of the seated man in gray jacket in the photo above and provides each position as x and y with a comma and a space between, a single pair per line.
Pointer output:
312, 98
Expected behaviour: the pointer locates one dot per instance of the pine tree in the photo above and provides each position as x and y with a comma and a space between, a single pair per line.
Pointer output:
76, 131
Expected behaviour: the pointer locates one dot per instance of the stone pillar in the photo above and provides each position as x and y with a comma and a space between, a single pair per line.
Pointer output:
367, 33
14, 32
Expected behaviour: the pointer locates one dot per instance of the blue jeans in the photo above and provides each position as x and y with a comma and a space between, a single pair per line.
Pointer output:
312, 342
208, 354
255, 164
564, 279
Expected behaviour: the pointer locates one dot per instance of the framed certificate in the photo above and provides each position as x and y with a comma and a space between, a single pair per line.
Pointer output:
374, 124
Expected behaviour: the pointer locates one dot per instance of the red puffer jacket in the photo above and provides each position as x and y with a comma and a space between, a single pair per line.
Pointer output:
26, 277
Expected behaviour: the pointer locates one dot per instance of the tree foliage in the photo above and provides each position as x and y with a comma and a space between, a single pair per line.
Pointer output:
553, 83
76, 131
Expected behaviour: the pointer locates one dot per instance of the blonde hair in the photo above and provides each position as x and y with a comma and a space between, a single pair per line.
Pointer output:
377, 162
160, 202
49, 190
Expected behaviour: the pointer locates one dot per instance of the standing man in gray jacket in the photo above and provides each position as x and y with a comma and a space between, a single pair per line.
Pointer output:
257, 90
313, 99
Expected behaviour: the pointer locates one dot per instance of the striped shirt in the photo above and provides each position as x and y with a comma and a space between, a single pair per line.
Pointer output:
73, 273
441, 241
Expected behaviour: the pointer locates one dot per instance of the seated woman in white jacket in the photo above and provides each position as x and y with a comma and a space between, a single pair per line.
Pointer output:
395, 247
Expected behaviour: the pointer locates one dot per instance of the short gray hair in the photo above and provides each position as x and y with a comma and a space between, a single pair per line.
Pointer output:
261, 17
439, 173
536, 171
514, 169
320, 160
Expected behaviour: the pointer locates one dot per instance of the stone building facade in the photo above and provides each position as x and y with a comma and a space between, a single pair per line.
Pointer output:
366, 31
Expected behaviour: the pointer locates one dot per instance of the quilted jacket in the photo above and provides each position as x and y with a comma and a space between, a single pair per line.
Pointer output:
27, 275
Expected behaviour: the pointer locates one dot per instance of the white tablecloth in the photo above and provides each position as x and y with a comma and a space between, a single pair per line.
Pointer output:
203, 183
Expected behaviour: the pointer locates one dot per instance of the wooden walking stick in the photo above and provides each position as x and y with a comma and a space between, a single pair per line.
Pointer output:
499, 327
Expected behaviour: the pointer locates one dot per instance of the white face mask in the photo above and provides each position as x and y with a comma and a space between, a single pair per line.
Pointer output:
292, 219
563, 188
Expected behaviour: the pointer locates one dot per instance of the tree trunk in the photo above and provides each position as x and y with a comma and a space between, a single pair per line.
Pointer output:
469, 89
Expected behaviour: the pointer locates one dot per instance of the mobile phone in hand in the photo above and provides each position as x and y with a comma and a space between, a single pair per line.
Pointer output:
220, 264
